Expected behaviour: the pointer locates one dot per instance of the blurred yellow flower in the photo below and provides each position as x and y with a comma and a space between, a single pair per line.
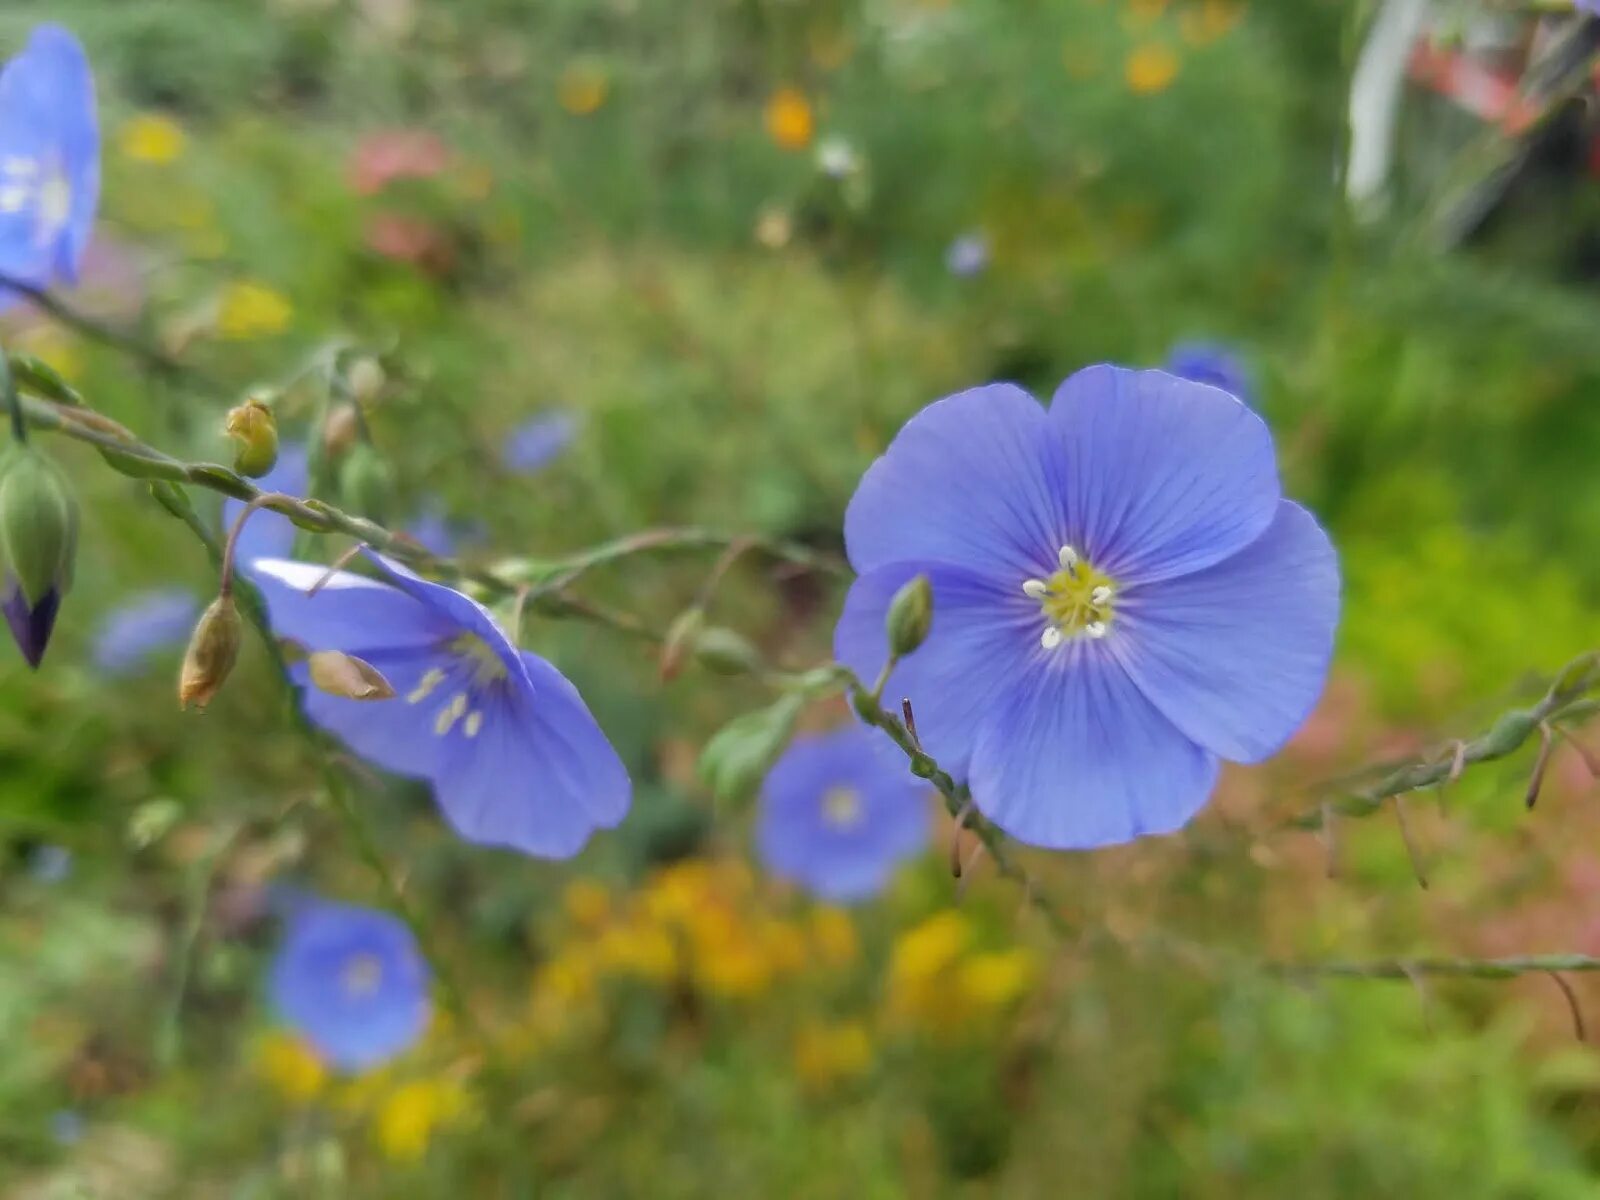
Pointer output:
998, 979
569, 976
409, 1116
151, 138
1141, 14
252, 310
587, 903
833, 937
289, 1066
790, 122
1210, 21
829, 1054
583, 88
1151, 68
928, 949
638, 949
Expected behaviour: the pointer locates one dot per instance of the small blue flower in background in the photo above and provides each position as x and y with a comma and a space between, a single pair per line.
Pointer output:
49, 159
441, 534
269, 534
537, 441
514, 756
67, 1126
967, 255
838, 814
1122, 597
1212, 363
352, 982
136, 631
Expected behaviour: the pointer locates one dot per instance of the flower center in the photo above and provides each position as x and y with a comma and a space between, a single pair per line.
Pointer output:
361, 976
1077, 601
456, 708
841, 808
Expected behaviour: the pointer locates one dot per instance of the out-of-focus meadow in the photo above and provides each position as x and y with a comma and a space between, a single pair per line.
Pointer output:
738, 244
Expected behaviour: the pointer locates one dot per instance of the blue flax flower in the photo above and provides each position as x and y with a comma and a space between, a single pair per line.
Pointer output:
838, 814
537, 441
49, 159
135, 631
514, 756
967, 255
1213, 363
268, 534
352, 982
1122, 597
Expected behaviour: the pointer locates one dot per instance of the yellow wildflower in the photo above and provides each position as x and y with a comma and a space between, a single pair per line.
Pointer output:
583, 88
828, 1054
587, 903
409, 1116
1210, 21
833, 937
1151, 68
151, 138
568, 976
252, 310
290, 1066
638, 949
998, 979
790, 122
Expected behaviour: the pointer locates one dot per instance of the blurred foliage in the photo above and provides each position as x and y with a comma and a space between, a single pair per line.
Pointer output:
590, 213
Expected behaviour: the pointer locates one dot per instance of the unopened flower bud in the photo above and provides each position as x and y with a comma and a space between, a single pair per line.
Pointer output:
38, 540
213, 649
739, 755
725, 652
253, 426
910, 616
347, 676
340, 429
366, 380
366, 482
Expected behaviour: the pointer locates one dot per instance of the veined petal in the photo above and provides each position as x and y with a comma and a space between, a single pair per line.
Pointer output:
983, 636
1236, 655
349, 612
1075, 757
536, 774
399, 734
1162, 476
969, 481
462, 611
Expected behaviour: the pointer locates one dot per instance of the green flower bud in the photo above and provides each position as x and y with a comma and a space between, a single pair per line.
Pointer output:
213, 649
910, 616
254, 427
738, 756
681, 635
366, 379
725, 652
38, 542
365, 481
345, 675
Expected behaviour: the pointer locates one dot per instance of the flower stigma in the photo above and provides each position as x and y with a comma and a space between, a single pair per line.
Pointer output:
841, 808
1077, 600
361, 976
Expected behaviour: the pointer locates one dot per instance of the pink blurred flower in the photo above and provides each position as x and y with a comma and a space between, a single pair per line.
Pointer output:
381, 158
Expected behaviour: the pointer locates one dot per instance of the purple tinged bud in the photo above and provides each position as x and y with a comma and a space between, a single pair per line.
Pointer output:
31, 624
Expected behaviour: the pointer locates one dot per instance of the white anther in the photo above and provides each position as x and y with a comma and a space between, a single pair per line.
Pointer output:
431, 678
19, 166
1037, 589
473, 724
14, 197
1100, 596
1068, 557
1051, 638
1095, 629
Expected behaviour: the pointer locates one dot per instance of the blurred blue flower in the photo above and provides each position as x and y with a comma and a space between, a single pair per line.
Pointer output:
514, 756
1121, 597
133, 632
67, 1126
441, 534
537, 441
352, 982
1214, 364
49, 159
50, 863
968, 254
269, 534
838, 814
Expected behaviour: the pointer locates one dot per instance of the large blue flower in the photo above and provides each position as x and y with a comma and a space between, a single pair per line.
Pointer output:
145, 625
838, 814
268, 534
49, 159
514, 756
352, 982
1122, 597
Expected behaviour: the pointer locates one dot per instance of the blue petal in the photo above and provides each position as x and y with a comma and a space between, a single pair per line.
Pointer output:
539, 776
1162, 476
148, 623
268, 534
968, 481
1075, 757
536, 442
349, 612
1213, 364
47, 116
398, 734
983, 636
1236, 655
461, 611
